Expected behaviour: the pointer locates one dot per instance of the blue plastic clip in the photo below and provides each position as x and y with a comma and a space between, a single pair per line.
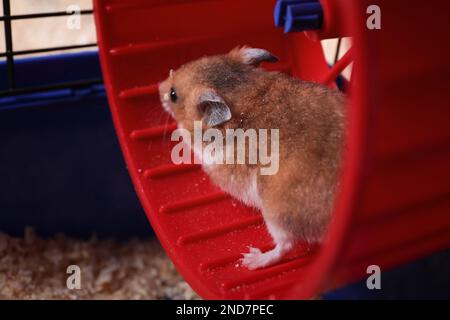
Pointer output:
298, 15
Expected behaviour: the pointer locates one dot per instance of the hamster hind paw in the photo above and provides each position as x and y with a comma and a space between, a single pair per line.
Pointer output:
256, 259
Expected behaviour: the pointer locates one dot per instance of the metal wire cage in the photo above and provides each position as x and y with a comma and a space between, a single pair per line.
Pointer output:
60, 162
10, 54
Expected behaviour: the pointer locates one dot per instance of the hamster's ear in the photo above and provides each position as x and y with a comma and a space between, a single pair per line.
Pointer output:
252, 56
213, 108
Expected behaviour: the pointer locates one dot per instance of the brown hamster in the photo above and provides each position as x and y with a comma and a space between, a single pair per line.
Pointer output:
230, 91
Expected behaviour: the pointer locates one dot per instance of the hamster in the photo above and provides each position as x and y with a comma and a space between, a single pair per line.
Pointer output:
231, 91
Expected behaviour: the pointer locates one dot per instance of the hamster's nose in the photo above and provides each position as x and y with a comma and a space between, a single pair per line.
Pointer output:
160, 87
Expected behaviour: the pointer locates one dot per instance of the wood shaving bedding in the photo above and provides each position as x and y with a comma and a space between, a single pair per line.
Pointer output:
35, 268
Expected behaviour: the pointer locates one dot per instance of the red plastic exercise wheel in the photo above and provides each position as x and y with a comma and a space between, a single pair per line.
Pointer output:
394, 204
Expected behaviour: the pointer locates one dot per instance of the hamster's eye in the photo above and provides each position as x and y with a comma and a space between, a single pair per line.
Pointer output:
173, 95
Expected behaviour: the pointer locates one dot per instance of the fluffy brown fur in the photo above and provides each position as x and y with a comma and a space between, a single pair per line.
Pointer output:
298, 199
